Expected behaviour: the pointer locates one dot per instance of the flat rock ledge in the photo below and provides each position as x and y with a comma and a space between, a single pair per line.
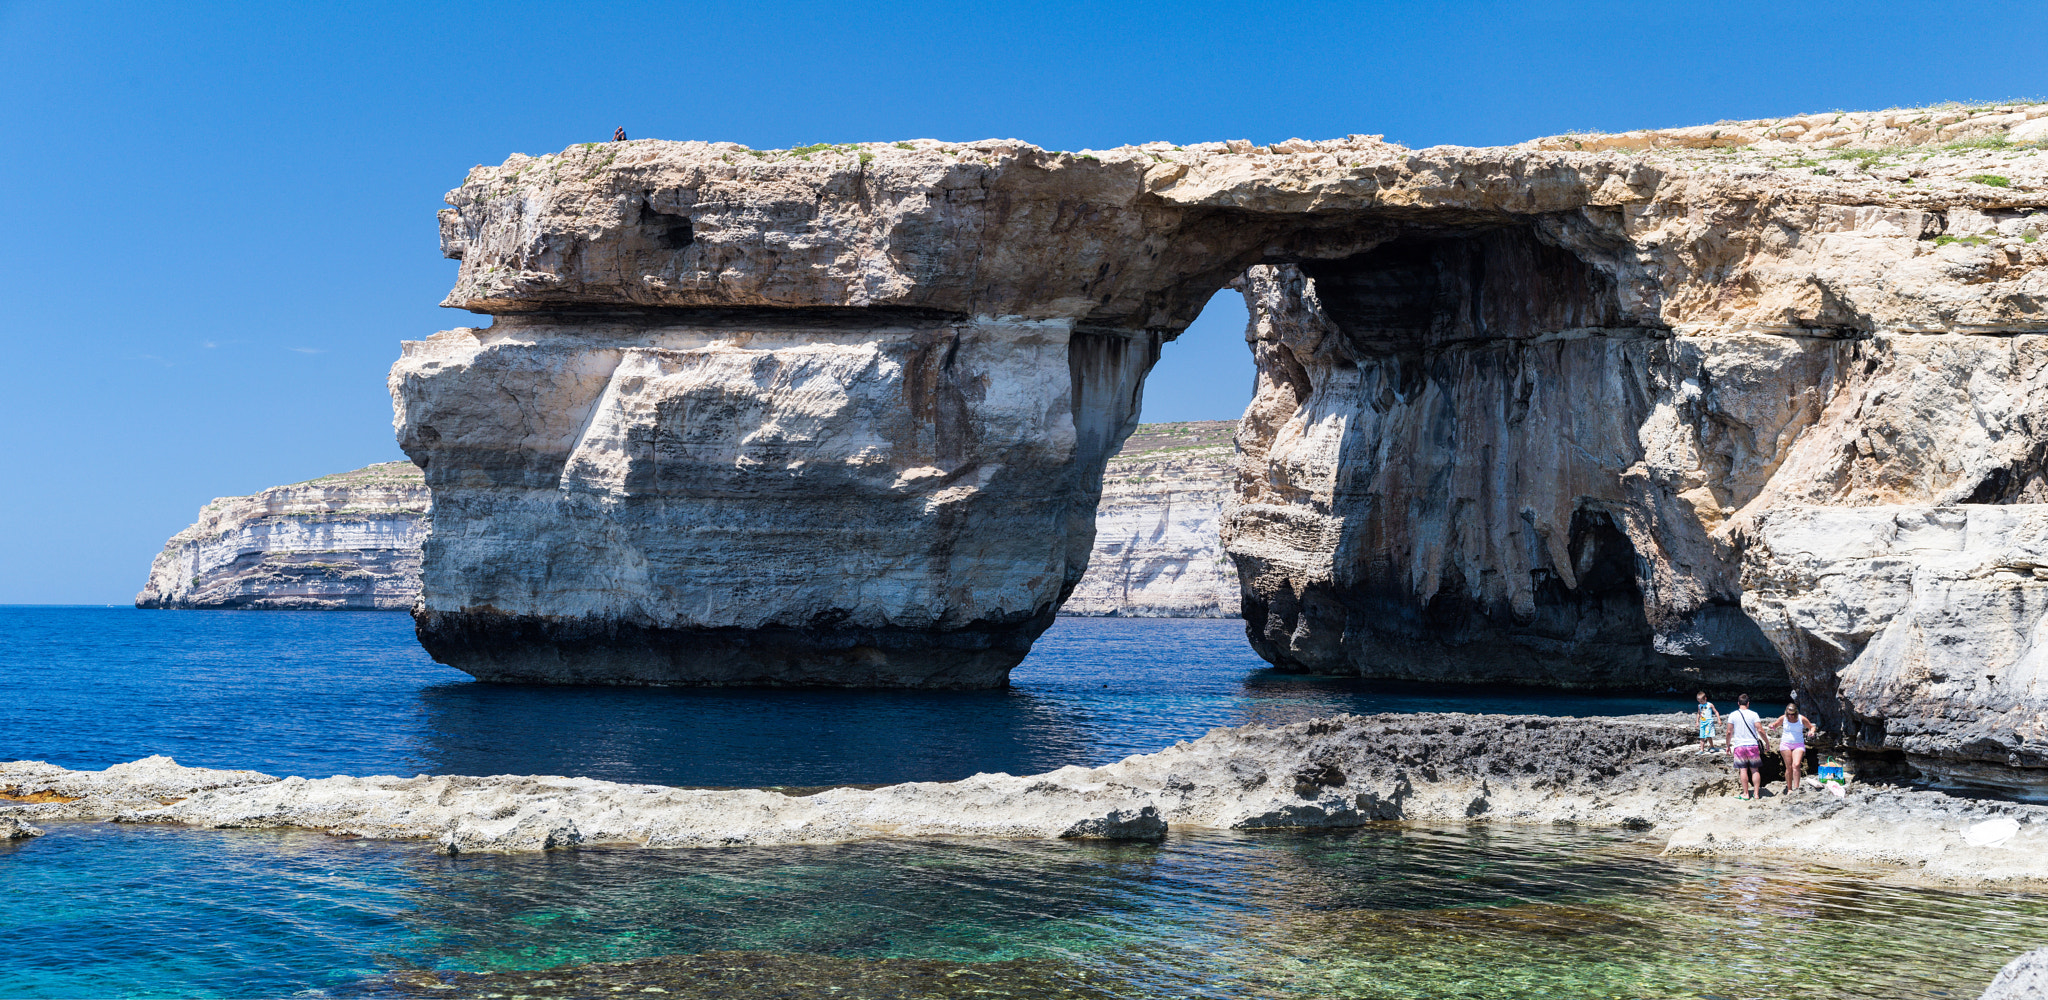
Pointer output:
1635, 772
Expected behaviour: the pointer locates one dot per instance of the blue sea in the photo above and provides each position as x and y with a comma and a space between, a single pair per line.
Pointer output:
1395, 910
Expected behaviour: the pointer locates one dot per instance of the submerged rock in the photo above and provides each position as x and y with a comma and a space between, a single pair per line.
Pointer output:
350, 540
2024, 978
1637, 773
744, 975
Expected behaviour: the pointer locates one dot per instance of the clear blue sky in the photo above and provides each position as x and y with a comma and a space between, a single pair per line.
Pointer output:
217, 222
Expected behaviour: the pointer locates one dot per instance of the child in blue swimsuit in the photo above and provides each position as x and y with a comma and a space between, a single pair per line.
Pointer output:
1710, 722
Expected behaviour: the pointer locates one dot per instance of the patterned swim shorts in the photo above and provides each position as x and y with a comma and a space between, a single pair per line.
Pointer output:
1748, 756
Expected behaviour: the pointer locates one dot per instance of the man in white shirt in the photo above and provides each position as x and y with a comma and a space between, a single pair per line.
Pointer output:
1745, 742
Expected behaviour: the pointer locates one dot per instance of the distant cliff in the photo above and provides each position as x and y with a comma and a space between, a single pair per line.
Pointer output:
1157, 552
353, 540
345, 541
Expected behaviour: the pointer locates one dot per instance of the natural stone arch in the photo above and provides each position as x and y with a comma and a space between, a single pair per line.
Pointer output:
848, 427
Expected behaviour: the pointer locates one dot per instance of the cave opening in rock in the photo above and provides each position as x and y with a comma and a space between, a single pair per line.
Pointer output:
1437, 286
1458, 411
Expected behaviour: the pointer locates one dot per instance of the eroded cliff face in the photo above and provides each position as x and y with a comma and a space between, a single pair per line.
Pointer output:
353, 540
872, 499
1498, 508
347, 541
1471, 462
1158, 545
839, 415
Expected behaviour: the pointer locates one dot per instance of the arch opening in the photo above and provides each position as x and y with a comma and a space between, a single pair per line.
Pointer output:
1442, 475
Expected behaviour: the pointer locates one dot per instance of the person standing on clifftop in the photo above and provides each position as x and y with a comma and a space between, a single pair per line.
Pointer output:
1745, 742
1710, 720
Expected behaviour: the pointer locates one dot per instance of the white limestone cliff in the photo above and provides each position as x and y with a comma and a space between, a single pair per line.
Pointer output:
1157, 550
350, 540
353, 540
1922, 629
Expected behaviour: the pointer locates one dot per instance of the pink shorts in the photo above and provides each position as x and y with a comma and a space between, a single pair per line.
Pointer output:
1748, 756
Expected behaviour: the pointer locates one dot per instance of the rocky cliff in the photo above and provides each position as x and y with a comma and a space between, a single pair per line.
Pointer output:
353, 540
1534, 413
344, 541
1157, 550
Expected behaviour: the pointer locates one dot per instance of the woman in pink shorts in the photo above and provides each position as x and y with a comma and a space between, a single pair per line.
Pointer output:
1745, 744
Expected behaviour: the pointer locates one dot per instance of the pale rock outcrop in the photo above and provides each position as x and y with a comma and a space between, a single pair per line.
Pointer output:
350, 540
353, 540
1158, 552
1921, 629
839, 414
14, 829
1637, 773
2023, 978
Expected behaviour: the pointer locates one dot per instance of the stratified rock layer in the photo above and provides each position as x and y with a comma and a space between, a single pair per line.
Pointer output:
1158, 552
1922, 629
353, 540
839, 415
344, 541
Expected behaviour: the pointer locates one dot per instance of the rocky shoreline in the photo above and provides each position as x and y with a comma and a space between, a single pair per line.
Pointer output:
1636, 772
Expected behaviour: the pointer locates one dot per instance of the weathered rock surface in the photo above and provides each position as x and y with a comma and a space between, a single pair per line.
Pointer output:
353, 540
14, 829
1923, 629
2023, 978
1158, 552
839, 415
344, 541
1637, 772
1460, 464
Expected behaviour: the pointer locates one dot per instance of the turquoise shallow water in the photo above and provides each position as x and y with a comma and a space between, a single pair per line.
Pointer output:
1393, 911
1390, 911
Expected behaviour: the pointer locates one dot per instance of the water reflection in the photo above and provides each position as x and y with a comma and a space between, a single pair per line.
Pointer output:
319, 693
729, 738
1093, 691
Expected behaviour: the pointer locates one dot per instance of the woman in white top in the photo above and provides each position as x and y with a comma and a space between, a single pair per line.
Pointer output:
1793, 746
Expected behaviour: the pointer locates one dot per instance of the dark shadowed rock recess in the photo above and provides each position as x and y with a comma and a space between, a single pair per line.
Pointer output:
1638, 411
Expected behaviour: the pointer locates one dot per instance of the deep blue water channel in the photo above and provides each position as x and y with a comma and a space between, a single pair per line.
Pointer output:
321, 693
1397, 910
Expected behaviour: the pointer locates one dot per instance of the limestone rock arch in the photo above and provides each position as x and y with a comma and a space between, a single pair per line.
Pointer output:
839, 415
